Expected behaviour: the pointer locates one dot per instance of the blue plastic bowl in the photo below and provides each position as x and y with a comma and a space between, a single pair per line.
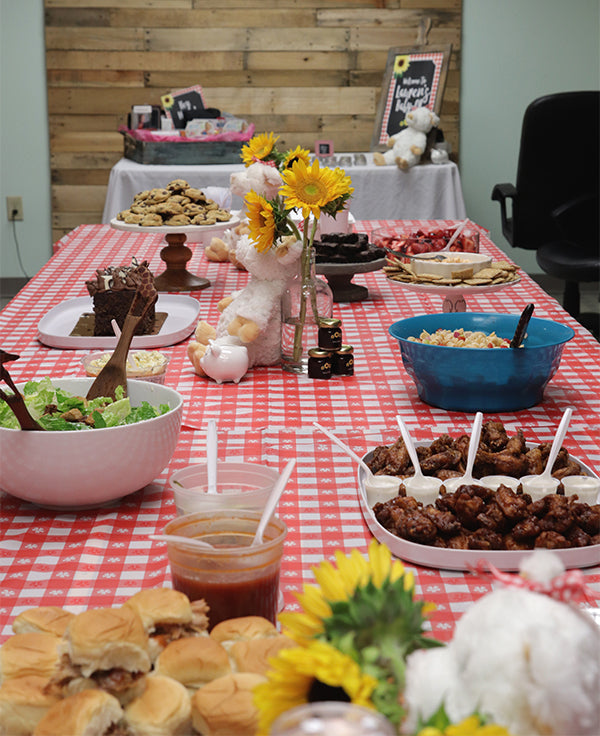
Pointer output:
481, 379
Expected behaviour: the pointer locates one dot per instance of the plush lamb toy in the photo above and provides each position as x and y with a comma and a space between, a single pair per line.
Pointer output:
528, 661
407, 146
252, 316
258, 177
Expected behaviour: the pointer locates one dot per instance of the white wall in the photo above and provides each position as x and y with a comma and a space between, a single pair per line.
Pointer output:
513, 51
24, 149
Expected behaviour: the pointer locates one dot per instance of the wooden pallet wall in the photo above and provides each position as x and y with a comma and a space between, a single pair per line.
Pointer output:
305, 69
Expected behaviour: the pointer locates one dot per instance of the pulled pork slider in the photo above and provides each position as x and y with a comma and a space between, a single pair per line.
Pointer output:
193, 661
29, 654
225, 706
105, 648
23, 703
168, 615
44, 619
243, 628
163, 709
88, 713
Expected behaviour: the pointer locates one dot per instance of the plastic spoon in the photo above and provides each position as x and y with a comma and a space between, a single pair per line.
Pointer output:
467, 479
379, 488
538, 486
272, 502
522, 326
424, 488
189, 541
456, 233
211, 456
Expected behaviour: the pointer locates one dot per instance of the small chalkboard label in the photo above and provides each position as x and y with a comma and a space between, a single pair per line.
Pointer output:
183, 105
413, 78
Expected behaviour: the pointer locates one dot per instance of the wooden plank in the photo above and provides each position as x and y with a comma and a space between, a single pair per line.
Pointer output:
249, 78
81, 17
81, 177
193, 39
70, 198
141, 4
94, 78
312, 61
84, 159
217, 18
93, 101
364, 39
112, 39
93, 142
61, 123
204, 61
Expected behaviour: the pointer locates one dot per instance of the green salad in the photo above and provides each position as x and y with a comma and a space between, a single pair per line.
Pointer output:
58, 410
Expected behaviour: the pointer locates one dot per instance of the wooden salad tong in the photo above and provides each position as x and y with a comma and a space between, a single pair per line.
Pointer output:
16, 401
114, 372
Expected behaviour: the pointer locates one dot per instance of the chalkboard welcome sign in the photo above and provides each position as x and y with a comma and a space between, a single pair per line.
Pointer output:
183, 105
413, 78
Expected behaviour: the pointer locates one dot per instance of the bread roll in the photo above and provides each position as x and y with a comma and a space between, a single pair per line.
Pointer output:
254, 655
193, 661
163, 709
44, 619
243, 628
89, 713
104, 638
160, 606
225, 706
23, 703
29, 654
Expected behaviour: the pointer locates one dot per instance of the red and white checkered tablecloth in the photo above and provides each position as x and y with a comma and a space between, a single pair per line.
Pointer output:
100, 557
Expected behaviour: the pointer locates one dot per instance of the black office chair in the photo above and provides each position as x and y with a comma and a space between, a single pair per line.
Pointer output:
555, 203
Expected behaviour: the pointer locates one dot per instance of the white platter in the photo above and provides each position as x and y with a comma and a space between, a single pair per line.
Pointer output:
200, 234
55, 327
465, 559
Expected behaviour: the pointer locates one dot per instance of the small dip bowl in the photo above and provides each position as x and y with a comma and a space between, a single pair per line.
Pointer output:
143, 365
452, 264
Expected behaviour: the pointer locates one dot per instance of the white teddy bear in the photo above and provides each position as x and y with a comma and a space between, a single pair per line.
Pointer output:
407, 146
252, 316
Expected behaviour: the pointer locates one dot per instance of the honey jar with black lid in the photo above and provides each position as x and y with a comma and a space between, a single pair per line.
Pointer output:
343, 361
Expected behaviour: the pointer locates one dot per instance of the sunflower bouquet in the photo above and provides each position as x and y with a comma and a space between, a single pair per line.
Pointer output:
307, 188
355, 631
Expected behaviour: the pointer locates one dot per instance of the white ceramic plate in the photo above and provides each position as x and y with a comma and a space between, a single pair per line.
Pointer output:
463, 559
200, 234
55, 327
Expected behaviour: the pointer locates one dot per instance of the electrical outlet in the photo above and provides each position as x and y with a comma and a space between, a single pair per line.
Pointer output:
14, 208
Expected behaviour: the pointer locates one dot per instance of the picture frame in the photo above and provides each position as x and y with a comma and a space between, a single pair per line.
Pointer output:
414, 77
323, 149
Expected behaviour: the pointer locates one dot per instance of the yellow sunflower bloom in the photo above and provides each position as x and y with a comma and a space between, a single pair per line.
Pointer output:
470, 726
401, 64
309, 188
258, 148
296, 675
261, 221
298, 154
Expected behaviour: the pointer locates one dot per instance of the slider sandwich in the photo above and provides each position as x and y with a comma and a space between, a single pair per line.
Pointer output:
44, 619
88, 713
105, 648
23, 703
225, 706
193, 661
163, 709
168, 615
29, 654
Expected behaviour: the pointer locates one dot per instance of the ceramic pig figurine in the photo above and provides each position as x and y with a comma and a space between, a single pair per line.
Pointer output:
224, 361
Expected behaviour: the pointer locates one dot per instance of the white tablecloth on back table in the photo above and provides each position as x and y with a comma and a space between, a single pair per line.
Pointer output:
425, 192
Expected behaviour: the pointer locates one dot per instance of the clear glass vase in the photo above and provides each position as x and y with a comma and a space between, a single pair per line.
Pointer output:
306, 300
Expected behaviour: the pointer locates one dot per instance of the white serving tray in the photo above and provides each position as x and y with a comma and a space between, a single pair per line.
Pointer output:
55, 327
199, 234
466, 559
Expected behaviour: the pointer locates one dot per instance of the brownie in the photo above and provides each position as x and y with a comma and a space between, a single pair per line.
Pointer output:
112, 292
346, 248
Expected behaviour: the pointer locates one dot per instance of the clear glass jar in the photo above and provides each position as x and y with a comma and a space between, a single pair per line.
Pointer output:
331, 719
306, 300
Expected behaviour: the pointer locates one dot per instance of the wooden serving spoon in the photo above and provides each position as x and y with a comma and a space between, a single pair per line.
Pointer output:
15, 401
114, 372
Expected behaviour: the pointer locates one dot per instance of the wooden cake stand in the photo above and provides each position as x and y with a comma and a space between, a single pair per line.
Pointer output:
176, 253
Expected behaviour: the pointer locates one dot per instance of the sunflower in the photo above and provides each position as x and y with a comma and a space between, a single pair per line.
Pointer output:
309, 674
298, 154
310, 188
366, 610
474, 725
259, 148
401, 64
261, 221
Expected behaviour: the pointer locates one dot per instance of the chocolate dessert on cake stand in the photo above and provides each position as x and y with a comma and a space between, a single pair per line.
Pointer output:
176, 253
339, 277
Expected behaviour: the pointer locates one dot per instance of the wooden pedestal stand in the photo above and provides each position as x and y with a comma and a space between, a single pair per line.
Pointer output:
176, 277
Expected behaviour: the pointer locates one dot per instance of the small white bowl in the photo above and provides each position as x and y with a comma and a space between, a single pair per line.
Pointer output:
455, 264
239, 486
143, 365
586, 487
